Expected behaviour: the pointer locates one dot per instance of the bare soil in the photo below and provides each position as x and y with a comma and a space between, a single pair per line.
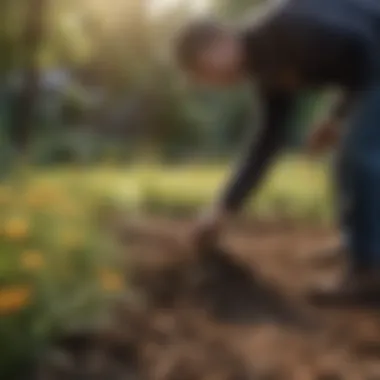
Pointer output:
240, 313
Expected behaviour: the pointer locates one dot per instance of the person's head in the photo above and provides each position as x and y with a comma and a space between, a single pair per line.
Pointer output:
209, 53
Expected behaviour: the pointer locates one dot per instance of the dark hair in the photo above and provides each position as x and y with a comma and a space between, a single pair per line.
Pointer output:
193, 38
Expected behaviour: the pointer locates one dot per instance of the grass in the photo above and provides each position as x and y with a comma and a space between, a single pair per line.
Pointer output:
296, 186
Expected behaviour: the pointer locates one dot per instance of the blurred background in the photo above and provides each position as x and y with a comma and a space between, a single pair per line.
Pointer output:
93, 117
91, 84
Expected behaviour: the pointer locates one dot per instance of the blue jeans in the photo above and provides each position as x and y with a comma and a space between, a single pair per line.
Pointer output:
359, 182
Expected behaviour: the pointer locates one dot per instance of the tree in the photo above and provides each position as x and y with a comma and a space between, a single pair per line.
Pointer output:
23, 111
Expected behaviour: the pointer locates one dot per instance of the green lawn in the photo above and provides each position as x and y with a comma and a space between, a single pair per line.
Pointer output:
296, 186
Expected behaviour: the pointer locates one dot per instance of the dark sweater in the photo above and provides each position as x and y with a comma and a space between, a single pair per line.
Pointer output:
326, 43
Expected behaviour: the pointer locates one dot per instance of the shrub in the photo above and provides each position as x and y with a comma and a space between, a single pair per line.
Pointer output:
58, 268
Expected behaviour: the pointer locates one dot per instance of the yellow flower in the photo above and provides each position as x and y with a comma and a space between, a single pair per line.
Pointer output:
14, 298
16, 228
32, 260
111, 281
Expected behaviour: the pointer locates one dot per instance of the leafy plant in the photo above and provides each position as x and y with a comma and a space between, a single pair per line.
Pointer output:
58, 269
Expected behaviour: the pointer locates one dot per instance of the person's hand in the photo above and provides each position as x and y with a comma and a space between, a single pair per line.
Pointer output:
209, 227
323, 137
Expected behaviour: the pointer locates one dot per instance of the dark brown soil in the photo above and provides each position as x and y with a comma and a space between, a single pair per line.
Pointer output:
236, 314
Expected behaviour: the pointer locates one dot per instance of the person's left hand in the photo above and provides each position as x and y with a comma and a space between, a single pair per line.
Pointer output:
323, 137
208, 228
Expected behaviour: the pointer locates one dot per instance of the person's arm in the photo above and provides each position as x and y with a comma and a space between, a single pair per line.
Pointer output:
261, 150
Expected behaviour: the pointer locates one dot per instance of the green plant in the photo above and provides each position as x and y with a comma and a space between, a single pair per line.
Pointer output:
58, 268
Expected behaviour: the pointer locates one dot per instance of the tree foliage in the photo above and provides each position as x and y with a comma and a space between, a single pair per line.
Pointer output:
123, 84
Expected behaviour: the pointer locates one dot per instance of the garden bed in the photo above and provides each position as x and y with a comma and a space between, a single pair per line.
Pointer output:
194, 326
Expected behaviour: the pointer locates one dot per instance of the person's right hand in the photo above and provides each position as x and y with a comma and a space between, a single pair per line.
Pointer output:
209, 227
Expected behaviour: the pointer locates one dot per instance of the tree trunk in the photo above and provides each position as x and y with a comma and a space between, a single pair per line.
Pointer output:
24, 106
